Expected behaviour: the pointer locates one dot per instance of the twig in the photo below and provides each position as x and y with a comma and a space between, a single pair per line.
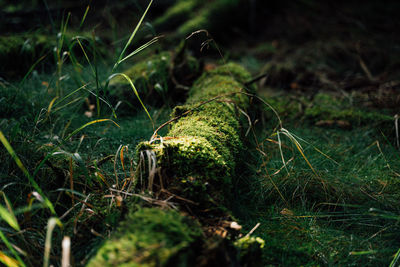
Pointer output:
254, 228
178, 197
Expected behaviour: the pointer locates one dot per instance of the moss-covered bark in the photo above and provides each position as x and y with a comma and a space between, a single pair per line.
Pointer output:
197, 161
151, 237
199, 154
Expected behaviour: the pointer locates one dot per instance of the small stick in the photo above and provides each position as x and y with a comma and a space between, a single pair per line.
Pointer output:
254, 228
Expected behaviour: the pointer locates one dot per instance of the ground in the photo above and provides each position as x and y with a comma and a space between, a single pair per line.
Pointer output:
315, 168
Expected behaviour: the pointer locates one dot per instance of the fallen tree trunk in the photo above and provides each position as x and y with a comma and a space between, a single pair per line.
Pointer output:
194, 166
198, 157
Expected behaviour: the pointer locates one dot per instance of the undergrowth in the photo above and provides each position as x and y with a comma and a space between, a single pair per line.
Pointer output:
325, 189
59, 137
323, 195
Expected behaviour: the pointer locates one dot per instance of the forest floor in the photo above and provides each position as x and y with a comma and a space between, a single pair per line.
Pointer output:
320, 177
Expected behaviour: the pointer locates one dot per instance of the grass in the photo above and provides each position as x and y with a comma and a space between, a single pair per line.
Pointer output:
73, 150
334, 202
323, 195
47, 132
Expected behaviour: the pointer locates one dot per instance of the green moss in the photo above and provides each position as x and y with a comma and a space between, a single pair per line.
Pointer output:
218, 85
148, 76
196, 23
201, 147
234, 70
150, 237
192, 164
247, 241
153, 81
20, 52
250, 250
177, 13
208, 16
215, 129
328, 107
187, 16
198, 159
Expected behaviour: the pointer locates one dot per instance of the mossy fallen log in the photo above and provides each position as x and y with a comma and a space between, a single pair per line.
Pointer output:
187, 16
196, 163
155, 78
151, 237
199, 154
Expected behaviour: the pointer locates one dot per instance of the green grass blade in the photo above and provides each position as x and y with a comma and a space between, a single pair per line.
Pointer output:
8, 261
59, 57
281, 152
11, 151
31, 69
51, 105
362, 253
67, 104
134, 90
86, 125
299, 148
64, 26
9, 218
10, 247
49, 155
84, 16
29, 208
104, 101
96, 74
70, 94
395, 259
8, 203
131, 37
315, 148
71, 191
86, 56
138, 50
